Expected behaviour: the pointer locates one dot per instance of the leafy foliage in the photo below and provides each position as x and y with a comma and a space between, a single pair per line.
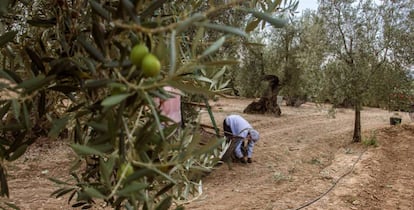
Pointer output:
74, 75
250, 77
361, 55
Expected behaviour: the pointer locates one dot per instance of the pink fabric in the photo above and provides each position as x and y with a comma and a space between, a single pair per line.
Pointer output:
172, 106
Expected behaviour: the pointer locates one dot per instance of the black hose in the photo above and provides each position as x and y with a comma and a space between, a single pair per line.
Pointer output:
334, 184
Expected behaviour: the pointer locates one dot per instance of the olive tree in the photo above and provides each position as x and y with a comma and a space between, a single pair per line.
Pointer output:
67, 64
312, 54
398, 27
295, 54
358, 53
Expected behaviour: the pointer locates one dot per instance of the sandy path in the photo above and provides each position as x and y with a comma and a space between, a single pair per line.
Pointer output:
299, 157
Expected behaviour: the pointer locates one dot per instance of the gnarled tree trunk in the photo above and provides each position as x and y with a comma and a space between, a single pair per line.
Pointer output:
267, 104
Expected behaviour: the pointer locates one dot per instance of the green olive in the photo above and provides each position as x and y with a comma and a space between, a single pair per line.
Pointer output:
150, 66
138, 52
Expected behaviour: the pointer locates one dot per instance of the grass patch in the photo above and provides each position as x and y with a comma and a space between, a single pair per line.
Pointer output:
371, 140
348, 151
279, 176
315, 161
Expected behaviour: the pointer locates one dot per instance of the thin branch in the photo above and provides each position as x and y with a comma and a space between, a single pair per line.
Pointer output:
172, 26
347, 51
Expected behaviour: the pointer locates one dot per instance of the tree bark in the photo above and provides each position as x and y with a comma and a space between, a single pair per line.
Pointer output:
268, 102
357, 126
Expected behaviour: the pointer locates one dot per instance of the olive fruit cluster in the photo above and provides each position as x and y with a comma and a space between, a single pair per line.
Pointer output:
149, 63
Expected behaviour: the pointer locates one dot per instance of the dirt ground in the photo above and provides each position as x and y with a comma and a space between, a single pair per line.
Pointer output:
304, 160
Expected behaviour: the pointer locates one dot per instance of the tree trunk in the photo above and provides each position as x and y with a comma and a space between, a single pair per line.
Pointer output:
357, 127
268, 102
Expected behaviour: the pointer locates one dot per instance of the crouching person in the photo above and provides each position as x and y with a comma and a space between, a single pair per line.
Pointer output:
237, 128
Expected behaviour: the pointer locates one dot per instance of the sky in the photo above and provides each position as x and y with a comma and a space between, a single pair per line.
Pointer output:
313, 4
307, 4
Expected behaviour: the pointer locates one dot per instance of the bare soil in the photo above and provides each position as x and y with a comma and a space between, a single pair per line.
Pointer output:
305, 159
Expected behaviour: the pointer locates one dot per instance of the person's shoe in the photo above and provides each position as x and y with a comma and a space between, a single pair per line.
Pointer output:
249, 160
242, 160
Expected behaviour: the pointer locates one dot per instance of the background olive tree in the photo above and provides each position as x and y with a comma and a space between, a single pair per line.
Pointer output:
295, 54
254, 65
311, 54
359, 50
286, 46
347, 53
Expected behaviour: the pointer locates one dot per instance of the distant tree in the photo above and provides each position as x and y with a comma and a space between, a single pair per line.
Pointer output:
248, 80
398, 22
257, 56
359, 50
284, 57
311, 55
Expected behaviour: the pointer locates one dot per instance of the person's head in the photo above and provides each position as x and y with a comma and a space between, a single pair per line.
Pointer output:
254, 135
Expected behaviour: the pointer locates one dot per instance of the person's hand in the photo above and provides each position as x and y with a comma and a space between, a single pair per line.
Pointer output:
249, 138
252, 140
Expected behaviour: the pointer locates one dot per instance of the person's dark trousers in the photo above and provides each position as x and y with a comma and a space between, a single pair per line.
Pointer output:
229, 155
227, 131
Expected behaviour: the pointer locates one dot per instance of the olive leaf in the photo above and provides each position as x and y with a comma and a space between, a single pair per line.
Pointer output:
36, 60
165, 204
133, 187
85, 150
98, 9
35, 83
187, 23
39, 22
58, 126
214, 47
7, 37
114, 100
224, 28
154, 6
98, 33
252, 25
18, 152
94, 193
275, 21
95, 53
